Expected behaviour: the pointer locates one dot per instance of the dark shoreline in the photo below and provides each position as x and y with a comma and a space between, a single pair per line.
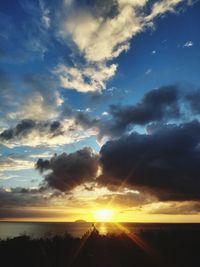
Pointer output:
172, 248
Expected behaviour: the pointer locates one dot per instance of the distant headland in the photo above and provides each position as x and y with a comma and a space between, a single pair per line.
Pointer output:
80, 221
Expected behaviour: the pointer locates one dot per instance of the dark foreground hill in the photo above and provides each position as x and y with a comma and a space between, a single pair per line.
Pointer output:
147, 249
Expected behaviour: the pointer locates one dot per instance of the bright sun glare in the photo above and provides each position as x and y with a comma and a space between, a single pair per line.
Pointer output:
103, 215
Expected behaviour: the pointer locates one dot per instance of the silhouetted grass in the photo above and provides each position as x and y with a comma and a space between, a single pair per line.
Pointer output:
166, 248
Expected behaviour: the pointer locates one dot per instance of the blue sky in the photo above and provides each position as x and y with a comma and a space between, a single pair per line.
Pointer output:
64, 65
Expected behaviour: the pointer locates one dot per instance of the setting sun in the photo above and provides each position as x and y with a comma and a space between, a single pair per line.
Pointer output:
103, 215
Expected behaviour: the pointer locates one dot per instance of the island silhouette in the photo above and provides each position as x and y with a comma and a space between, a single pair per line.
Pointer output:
80, 221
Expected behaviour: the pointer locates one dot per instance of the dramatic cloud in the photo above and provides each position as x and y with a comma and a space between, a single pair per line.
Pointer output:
70, 170
46, 133
25, 128
100, 34
165, 162
156, 105
100, 38
149, 150
162, 163
36, 133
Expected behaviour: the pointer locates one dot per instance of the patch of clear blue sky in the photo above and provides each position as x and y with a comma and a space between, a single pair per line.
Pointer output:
172, 62
22, 178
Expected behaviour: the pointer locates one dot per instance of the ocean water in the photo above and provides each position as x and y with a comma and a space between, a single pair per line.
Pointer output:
76, 229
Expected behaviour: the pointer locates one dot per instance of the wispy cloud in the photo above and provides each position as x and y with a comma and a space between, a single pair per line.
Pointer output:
10, 163
188, 44
149, 71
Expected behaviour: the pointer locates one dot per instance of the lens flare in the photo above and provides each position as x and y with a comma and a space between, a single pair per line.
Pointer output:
103, 215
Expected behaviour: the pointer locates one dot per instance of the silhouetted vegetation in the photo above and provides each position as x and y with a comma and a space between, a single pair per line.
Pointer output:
166, 248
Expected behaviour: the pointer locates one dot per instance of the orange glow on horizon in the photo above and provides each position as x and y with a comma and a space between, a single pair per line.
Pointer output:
98, 214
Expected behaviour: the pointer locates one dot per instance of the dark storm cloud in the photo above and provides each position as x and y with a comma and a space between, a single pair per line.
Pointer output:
26, 127
70, 170
43, 165
20, 129
165, 162
156, 105
41, 131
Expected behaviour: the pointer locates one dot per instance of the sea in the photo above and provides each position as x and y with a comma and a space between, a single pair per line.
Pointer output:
78, 229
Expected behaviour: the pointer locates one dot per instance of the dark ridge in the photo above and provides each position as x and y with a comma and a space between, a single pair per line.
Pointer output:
174, 248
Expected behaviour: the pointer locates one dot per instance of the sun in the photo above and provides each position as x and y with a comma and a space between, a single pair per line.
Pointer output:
103, 215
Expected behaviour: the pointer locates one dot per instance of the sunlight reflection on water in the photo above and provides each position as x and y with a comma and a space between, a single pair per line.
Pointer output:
35, 229
103, 228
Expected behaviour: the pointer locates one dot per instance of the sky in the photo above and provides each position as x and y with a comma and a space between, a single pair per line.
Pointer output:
100, 109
